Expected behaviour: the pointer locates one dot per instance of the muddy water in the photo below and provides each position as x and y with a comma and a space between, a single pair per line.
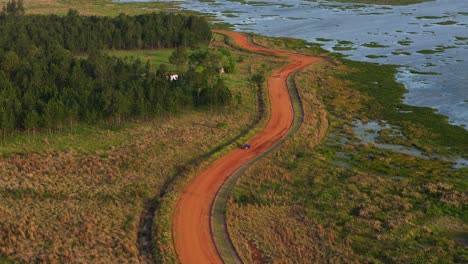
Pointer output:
429, 38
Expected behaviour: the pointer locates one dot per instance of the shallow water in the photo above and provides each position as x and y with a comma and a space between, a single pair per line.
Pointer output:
437, 29
370, 131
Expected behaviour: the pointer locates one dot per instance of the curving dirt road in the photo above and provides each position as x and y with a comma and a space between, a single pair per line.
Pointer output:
191, 220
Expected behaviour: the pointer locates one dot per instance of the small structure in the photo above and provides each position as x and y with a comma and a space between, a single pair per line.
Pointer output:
172, 77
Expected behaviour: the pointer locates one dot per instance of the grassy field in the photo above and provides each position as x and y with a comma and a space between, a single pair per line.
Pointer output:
325, 197
155, 57
93, 7
83, 204
77, 195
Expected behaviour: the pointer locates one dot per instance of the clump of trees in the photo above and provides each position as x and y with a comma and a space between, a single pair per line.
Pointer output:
52, 74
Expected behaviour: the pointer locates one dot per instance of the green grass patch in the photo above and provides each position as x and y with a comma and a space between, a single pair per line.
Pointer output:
86, 138
155, 57
291, 44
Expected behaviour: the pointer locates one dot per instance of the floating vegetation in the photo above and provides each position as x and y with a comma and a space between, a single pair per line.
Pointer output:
230, 15
343, 45
405, 42
426, 51
374, 45
323, 39
372, 56
446, 23
295, 18
431, 17
372, 14
461, 38
439, 49
343, 48
345, 42
423, 72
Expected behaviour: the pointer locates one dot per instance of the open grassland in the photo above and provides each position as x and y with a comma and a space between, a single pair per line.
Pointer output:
84, 205
326, 198
94, 7
77, 196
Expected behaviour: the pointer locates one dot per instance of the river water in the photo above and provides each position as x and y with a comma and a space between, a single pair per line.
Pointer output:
429, 40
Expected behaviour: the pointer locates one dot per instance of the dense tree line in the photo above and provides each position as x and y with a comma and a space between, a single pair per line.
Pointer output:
44, 84
86, 33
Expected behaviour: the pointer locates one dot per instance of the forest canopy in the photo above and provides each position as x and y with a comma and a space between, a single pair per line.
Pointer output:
53, 73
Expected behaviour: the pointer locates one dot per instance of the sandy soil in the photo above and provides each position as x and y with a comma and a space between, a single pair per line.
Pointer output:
191, 220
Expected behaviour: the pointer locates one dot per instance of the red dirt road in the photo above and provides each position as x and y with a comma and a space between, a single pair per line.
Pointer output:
191, 220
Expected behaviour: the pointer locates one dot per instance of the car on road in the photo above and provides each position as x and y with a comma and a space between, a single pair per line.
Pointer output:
246, 146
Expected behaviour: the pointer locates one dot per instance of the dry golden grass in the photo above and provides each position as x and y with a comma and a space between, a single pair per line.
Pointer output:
67, 206
270, 231
284, 234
